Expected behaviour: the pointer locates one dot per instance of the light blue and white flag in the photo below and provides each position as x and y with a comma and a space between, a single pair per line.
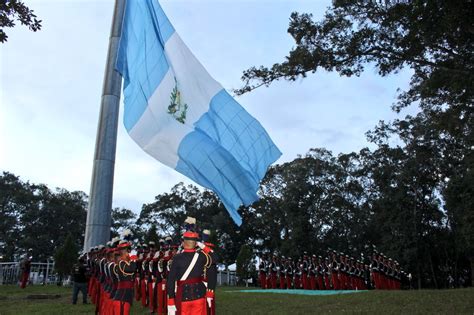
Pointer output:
182, 117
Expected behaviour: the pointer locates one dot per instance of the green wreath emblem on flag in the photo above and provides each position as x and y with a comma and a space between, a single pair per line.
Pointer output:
176, 108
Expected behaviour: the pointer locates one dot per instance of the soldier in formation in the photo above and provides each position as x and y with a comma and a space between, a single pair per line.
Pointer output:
25, 268
121, 272
336, 271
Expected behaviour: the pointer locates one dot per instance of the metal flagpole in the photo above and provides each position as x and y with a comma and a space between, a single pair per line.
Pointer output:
100, 198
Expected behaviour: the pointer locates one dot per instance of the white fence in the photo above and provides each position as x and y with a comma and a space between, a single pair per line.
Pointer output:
43, 273
225, 277
40, 273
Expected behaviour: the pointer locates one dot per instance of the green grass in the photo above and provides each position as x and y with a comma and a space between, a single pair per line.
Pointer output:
13, 301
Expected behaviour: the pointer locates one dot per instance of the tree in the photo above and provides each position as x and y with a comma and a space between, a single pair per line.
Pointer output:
15, 197
245, 263
169, 211
66, 256
414, 189
51, 218
15, 10
434, 38
152, 235
122, 219
33, 216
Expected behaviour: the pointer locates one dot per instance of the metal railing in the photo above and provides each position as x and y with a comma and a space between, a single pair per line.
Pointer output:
40, 273
43, 273
225, 277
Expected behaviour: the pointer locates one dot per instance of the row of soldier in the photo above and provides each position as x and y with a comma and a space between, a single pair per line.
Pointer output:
336, 271
165, 278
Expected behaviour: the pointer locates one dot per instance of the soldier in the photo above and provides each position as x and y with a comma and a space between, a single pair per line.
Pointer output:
160, 287
312, 273
320, 273
290, 269
106, 305
350, 271
187, 293
382, 271
374, 266
366, 275
25, 266
327, 273
342, 272
143, 275
138, 274
334, 269
298, 273
156, 275
282, 272
95, 298
273, 272
150, 277
126, 268
304, 272
210, 279
91, 255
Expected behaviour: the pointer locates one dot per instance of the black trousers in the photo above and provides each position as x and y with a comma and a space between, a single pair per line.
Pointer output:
79, 286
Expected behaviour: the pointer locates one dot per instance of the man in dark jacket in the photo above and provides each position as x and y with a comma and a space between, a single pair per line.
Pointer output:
80, 281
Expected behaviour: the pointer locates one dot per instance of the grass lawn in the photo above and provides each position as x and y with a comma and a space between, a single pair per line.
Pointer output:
461, 301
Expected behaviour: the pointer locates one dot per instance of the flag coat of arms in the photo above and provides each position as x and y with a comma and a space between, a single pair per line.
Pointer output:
177, 113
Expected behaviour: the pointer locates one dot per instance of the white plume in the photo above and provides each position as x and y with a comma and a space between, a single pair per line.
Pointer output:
190, 220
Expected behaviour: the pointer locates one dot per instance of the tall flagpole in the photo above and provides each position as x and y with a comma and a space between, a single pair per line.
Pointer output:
100, 198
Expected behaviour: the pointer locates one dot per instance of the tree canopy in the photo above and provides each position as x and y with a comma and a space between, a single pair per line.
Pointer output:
12, 11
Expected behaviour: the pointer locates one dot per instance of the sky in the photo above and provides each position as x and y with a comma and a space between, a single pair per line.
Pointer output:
51, 84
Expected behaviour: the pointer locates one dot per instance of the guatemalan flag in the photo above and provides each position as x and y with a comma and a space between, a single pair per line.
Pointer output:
177, 113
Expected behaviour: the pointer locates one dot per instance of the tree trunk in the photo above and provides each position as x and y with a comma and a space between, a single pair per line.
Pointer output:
418, 276
433, 274
471, 259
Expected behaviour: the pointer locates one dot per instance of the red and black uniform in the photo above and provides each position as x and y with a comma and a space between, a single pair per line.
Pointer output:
188, 293
160, 290
289, 274
262, 271
273, 274
100, 286
327, 274
282, 277
150, 282
107, 288
143, 277
162, 273
25, 272
335, 275
342, 275
123, 297
298, 272
319, 274
138, 274
312, 275
211, 280
92, 274
304, 274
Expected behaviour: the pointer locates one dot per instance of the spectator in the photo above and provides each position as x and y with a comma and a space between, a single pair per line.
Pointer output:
80, 281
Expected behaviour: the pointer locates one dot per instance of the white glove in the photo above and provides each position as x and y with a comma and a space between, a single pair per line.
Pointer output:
209, 301
133, 253
171, 309
157, 255
200, 245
